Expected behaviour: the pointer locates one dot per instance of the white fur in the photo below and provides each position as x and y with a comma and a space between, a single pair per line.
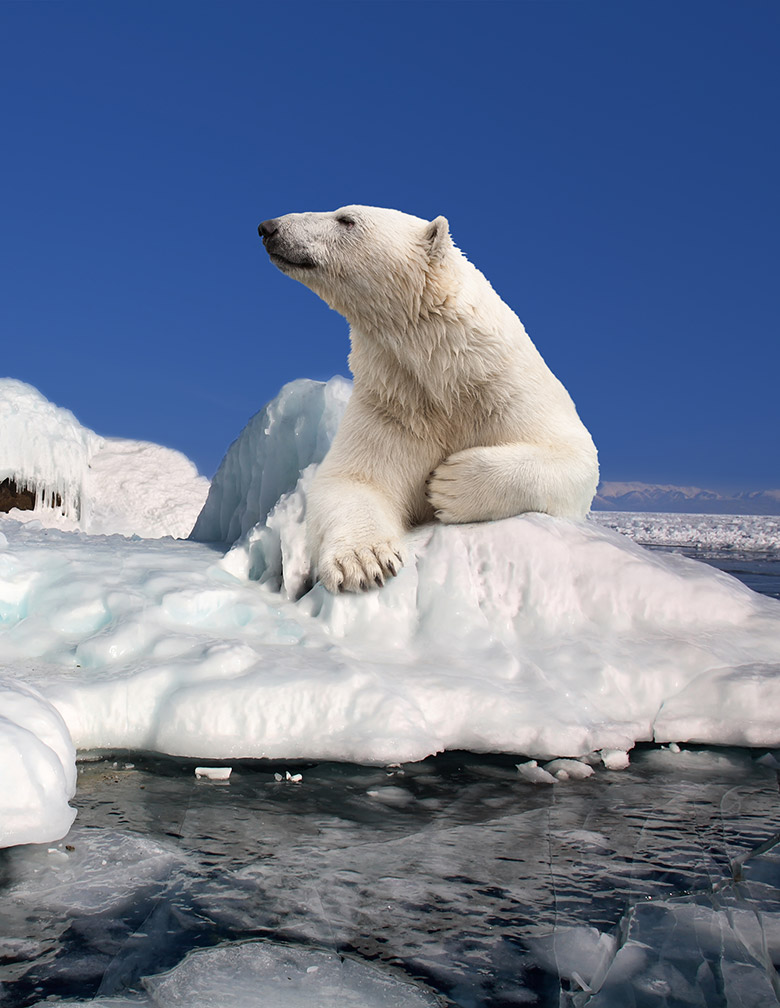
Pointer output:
454, 413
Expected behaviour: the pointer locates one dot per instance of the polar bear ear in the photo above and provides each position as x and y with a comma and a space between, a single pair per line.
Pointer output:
437, 237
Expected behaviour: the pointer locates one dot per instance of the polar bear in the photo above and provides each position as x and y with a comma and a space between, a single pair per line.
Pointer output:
454, 414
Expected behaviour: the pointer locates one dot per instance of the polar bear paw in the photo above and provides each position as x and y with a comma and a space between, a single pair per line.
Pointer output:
458, 490
358, 569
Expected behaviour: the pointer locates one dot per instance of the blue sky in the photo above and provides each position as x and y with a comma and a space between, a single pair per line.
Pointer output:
612, 167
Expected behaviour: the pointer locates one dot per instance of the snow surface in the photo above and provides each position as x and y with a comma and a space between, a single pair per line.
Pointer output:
534, 635
106, 485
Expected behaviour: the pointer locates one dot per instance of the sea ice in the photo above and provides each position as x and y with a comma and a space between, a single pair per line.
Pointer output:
285, 976
735, 533
98, 872
534, 635
248, 974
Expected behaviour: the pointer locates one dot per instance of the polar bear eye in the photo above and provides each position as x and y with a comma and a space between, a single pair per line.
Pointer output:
346, 222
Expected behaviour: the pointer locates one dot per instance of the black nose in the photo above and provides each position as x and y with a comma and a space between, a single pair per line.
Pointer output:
268, 228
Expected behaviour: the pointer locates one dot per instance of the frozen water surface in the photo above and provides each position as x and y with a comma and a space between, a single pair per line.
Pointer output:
451, 881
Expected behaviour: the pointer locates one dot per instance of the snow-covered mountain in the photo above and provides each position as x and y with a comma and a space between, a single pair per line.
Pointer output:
614, 496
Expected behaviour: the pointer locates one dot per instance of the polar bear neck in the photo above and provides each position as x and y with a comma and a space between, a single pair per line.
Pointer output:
432, 363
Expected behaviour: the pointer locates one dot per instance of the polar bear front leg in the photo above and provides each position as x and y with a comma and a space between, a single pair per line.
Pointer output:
355, 539
497, 481
362, 498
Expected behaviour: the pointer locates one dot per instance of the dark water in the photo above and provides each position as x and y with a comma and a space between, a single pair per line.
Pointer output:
458, 882
758, 571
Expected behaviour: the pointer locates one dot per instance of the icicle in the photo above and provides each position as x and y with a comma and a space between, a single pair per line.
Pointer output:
43, 448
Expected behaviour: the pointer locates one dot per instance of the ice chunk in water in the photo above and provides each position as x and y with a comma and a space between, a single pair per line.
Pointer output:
37, 767
281, 976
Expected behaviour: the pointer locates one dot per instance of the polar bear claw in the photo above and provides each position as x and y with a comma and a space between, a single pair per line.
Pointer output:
355, 570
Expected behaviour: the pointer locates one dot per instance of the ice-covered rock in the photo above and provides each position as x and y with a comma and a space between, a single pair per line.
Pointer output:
83, 482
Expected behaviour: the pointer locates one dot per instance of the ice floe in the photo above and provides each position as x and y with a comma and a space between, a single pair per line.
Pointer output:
533, 635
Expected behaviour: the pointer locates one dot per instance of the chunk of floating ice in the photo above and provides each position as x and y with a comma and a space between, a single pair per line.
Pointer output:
37, 767
213, 772
267, 973
391, 795
569, 769
534, 774
554, 771
614, 759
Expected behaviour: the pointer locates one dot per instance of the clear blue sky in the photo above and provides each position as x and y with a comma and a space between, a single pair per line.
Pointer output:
613, 167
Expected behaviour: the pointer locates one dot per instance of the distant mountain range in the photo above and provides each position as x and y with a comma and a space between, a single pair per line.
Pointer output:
684, 500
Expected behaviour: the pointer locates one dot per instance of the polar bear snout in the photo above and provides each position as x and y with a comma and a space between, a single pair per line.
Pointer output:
285, 251
268, 228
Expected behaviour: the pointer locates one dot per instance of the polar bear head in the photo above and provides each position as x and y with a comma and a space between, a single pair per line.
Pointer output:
368, 263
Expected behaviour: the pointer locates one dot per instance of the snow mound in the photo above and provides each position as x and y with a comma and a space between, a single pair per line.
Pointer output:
533, 635
43, 447
143, 489
82, 482
37, 768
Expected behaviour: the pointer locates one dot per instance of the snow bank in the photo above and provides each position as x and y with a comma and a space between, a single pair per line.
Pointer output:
143, 489
533, 635
106, 486
43, 447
